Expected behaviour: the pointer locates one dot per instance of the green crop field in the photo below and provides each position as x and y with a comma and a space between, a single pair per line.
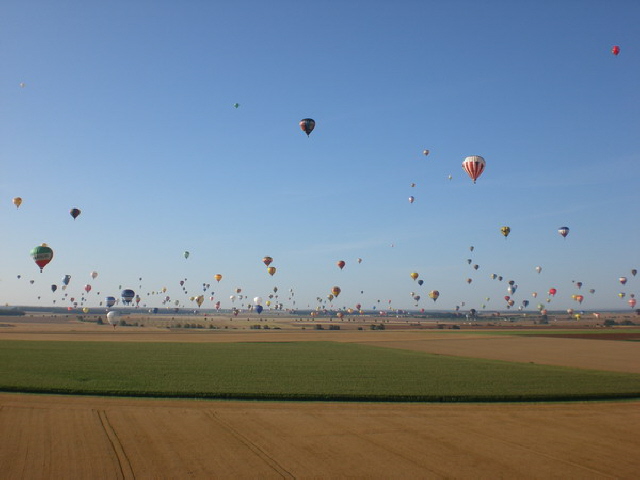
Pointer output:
291, 371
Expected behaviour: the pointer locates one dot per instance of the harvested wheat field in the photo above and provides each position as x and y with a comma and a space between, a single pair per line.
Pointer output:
71, 437
96, 437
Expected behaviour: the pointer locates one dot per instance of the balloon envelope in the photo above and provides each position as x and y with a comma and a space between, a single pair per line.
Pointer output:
474, 166
74, 212
42, 255
307, 125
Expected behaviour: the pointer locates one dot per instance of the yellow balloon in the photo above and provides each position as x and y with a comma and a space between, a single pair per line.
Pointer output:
271, 270
414, 275
17, 202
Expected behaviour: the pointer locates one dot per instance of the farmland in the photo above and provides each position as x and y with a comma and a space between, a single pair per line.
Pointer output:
84, 435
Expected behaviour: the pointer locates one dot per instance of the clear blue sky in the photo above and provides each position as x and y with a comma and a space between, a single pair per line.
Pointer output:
127, 113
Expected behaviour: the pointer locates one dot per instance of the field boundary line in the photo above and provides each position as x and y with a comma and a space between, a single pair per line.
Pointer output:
268, 459
123, 461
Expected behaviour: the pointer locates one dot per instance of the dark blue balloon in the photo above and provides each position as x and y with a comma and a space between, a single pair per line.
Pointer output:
127, 296
259, 308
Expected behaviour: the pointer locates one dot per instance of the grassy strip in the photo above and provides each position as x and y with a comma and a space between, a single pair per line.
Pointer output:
291, 371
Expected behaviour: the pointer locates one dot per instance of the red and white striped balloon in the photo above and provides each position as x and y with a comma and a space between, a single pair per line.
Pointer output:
474, 166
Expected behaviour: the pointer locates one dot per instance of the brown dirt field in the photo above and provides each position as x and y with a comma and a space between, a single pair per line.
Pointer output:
88, 437
595, 336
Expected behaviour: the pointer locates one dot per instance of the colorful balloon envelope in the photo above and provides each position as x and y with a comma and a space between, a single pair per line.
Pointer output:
42, 255
474, 166
341, 264
564, 231
552, 292
267, 261
127, 296
505, 231
271, 271
336, 291
74, 212
622, 280
632, 302
307, 125
17, 201
414, 275
412, 199
434, 294
615, 50
425, 152
217, 277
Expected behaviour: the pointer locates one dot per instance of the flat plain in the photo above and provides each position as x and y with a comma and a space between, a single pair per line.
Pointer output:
50, 436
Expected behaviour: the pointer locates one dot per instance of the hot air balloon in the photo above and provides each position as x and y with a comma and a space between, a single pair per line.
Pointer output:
615, 50
66, 279
42, 255
360, 261
579, 298
93, 274
199, 300
87, 288
217, 277
622, 280
267, 261
564, 231
634, 271
420, 282
411, 199
552, 292
74, 212
474, 166
186, 254
336, 291
341, 264
54, 288
632, 302
110, 301
127, 296
538, 269
236, 105
622, 294
259, 308
425, 152
434, 294
113, 318
271, 271
17, 201
307, 125
505, 231
469, 280
414, 275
